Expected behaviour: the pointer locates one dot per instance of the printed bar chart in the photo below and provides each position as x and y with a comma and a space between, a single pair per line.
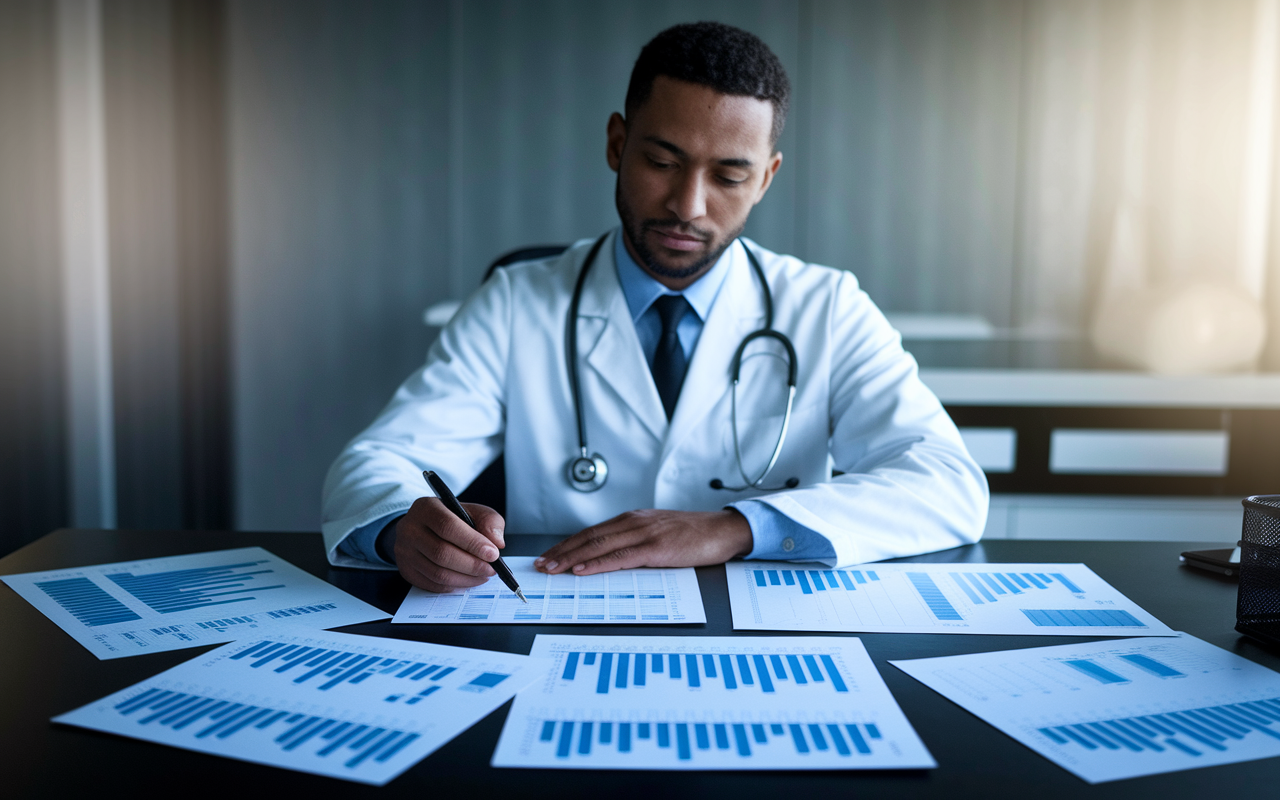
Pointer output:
185, 589
632, 596
86, 602
1119, 709
1038, 599
350, 707
687, 741
707, 703
730, 672
160, 604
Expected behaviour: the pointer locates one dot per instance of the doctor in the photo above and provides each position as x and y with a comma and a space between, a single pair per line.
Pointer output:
663, 304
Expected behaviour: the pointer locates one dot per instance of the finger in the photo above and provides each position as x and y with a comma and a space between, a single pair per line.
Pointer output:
488, 522
433, 578
557, 552
622, 558
592, 546
416, 540
448, 556
445, 524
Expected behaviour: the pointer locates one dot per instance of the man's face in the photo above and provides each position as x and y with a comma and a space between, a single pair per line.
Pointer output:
691, 164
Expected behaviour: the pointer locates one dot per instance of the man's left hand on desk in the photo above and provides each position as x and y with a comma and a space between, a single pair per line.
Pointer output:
651, 538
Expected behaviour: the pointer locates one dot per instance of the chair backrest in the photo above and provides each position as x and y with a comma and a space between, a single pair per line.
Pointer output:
490, 486
526, 254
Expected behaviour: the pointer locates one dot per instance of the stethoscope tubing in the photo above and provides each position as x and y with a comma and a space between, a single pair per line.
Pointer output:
595, 465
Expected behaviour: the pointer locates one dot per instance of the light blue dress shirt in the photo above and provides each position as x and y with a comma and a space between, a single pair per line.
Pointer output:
774, 535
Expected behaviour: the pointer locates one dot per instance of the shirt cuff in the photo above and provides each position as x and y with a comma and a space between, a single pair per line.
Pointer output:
361, 543
777, 537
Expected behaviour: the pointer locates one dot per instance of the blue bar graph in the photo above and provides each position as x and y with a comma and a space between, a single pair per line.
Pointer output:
1090, 618
577, 739
207, 717
87, 602
1094, 670
1071, 587
324, 669
933, 596
988, 587
1151, 665
1192, 731
184, 589
697, 670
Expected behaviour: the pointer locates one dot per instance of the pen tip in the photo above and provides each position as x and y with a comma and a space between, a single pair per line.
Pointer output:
520, 594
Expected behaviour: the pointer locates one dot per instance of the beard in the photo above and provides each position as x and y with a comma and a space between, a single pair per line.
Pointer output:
634, 229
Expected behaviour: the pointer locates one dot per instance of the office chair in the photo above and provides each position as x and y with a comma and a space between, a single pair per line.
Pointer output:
490, 486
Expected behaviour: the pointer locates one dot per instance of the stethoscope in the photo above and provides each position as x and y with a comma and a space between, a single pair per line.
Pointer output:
587, 473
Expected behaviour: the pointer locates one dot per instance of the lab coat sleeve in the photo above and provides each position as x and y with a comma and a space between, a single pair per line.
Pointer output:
448, 416
910, 486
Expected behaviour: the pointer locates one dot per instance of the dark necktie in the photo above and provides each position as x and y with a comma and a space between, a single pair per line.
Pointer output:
668, 360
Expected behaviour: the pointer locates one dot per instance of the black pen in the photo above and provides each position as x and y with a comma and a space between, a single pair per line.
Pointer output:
450, 502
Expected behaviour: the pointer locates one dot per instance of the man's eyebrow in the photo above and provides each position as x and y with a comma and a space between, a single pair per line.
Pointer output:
678, 153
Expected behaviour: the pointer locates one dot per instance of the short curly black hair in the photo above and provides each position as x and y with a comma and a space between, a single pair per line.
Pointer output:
718, 56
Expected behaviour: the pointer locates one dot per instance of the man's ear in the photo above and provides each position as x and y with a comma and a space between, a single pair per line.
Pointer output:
771, 169
616, 140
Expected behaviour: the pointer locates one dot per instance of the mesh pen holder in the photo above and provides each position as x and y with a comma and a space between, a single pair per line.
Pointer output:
1258, 601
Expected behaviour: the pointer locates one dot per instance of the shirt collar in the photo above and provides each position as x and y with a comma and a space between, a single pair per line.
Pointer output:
640, 289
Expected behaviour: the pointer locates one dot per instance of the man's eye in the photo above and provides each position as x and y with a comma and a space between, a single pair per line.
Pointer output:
727, 181
653, 162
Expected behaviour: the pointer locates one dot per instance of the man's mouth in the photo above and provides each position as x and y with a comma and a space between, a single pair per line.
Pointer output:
677, 241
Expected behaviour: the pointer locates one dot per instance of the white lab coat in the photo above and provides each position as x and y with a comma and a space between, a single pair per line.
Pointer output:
496, 381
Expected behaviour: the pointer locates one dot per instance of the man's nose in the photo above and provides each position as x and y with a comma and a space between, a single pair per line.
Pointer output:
688, 200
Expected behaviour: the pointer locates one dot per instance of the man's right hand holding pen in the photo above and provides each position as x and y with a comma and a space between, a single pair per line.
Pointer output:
437, 551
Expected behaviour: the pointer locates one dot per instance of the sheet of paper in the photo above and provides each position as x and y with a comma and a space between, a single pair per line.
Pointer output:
1023, 599
353, 707
1119, 709
134, 607
629, 596
702, 702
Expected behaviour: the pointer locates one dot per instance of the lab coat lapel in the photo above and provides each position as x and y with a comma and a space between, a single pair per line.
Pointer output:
608, 337
737, 311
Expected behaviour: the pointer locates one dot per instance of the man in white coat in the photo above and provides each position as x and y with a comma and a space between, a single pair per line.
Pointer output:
664, 303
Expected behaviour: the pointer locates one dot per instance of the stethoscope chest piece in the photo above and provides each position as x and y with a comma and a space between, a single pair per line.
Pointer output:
588, 473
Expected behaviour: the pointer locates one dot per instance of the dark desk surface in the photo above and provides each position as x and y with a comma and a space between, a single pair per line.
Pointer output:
44, 672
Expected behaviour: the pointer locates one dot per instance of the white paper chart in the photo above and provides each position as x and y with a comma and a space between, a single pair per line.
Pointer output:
353, 707
629, 596
134, 607
1026, 599
1119, 709
693, 703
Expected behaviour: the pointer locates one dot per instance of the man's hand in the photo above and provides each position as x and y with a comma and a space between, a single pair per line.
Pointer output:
438, 552
651, 538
